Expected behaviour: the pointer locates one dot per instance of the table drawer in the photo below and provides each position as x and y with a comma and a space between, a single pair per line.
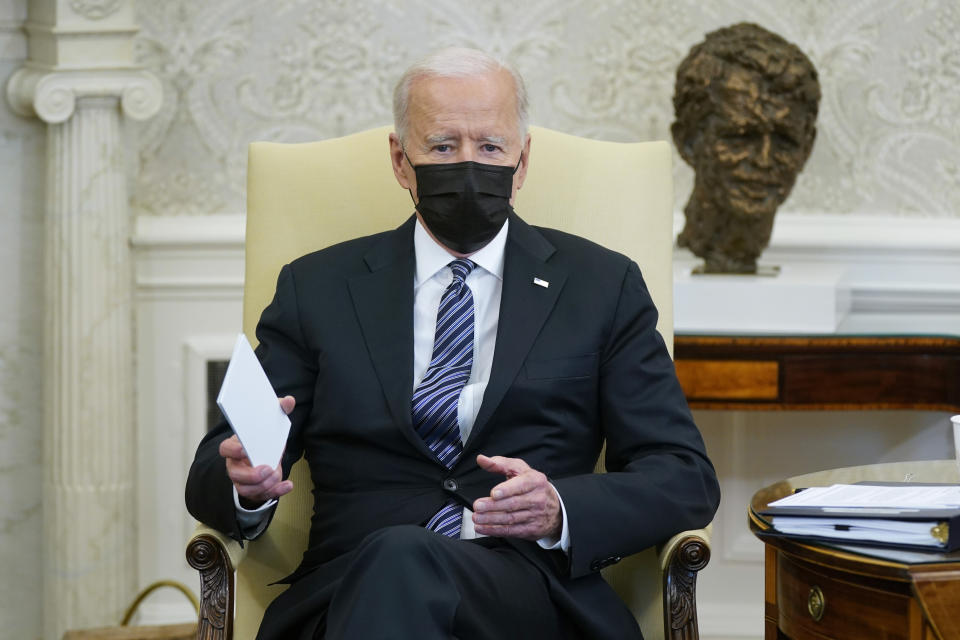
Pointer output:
817, 603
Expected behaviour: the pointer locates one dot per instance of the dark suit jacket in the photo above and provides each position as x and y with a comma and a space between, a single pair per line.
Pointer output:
576, 363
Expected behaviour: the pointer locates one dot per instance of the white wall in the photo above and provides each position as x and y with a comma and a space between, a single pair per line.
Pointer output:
189, 288
887, 159
21, 285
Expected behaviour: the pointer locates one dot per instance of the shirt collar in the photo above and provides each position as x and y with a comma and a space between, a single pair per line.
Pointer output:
432, 257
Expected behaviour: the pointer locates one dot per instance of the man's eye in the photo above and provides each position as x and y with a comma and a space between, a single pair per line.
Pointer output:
442, 148
785, 141
491, 148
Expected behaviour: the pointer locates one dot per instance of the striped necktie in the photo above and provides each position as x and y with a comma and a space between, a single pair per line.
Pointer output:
436, 397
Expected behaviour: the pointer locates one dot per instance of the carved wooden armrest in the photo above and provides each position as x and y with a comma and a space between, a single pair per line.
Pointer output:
681, 558
216, 557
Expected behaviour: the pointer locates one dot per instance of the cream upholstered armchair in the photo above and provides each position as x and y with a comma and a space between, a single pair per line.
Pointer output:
303, 197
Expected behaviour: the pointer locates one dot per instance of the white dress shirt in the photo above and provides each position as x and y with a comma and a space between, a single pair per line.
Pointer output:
431, 279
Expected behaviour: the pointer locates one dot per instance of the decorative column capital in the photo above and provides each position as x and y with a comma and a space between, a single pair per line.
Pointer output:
52, 95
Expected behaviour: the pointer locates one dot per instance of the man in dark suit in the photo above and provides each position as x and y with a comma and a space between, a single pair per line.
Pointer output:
451, 383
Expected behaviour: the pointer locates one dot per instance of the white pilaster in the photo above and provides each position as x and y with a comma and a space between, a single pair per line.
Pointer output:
81, 80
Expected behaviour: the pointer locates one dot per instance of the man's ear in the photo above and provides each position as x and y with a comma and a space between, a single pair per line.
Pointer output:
683, 143
399, 162
524, 162
806, 156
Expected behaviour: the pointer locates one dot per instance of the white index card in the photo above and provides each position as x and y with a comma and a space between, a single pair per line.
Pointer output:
250, 405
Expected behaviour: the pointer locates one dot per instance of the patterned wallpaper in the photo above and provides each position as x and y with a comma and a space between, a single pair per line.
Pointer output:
294, 70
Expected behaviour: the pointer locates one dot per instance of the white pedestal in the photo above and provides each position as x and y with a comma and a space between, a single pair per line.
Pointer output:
800, 299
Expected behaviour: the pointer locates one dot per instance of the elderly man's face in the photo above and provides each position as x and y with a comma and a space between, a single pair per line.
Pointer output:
751, 149
461, 119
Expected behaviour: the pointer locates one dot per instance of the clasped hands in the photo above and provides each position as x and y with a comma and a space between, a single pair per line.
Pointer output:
525, 505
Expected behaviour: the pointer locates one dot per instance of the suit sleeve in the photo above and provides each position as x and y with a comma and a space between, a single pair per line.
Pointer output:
659, 480
291, 368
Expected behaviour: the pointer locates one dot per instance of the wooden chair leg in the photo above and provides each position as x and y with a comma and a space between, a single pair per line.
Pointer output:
206, 555
680, 587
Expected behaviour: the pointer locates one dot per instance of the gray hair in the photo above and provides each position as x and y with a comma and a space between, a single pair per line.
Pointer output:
455, 62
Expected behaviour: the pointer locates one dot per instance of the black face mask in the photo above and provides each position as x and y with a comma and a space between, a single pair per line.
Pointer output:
464, 204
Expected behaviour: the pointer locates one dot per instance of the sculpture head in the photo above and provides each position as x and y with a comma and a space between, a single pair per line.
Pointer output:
746, 105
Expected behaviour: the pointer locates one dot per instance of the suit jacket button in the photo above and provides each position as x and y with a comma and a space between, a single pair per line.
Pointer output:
450, 484
596, 565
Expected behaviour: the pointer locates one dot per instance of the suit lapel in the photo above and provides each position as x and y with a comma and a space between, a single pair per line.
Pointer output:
383, 300
524, 307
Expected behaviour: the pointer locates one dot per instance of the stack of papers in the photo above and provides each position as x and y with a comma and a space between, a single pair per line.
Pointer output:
905, 495
897, 514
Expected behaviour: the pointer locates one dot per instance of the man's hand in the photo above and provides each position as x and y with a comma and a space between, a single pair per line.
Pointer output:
524, 506
255, 485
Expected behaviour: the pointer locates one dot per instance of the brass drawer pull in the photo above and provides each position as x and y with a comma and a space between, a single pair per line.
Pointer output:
816, 603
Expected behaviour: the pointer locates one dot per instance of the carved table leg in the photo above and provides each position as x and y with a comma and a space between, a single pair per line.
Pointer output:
207, 556
680, 585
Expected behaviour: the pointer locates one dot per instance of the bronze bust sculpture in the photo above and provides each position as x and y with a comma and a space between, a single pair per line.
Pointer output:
746, 105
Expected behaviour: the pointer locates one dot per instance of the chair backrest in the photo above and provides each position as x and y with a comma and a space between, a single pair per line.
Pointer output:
302, 197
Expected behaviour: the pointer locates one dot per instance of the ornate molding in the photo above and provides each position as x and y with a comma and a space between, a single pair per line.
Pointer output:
52, 95
189, 258
206, 555
13, 40
95, 9
689, 557
221, 231
827, 237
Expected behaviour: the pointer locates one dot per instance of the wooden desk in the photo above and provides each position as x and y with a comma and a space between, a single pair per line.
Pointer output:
823, 592
819, 372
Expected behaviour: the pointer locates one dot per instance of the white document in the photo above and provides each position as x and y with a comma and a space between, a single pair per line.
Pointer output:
250, 405
849, 496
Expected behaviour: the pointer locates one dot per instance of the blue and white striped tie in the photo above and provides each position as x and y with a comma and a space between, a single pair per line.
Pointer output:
436, 397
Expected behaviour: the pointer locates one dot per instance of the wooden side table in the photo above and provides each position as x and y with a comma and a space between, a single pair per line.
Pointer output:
819, 372
824, 591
